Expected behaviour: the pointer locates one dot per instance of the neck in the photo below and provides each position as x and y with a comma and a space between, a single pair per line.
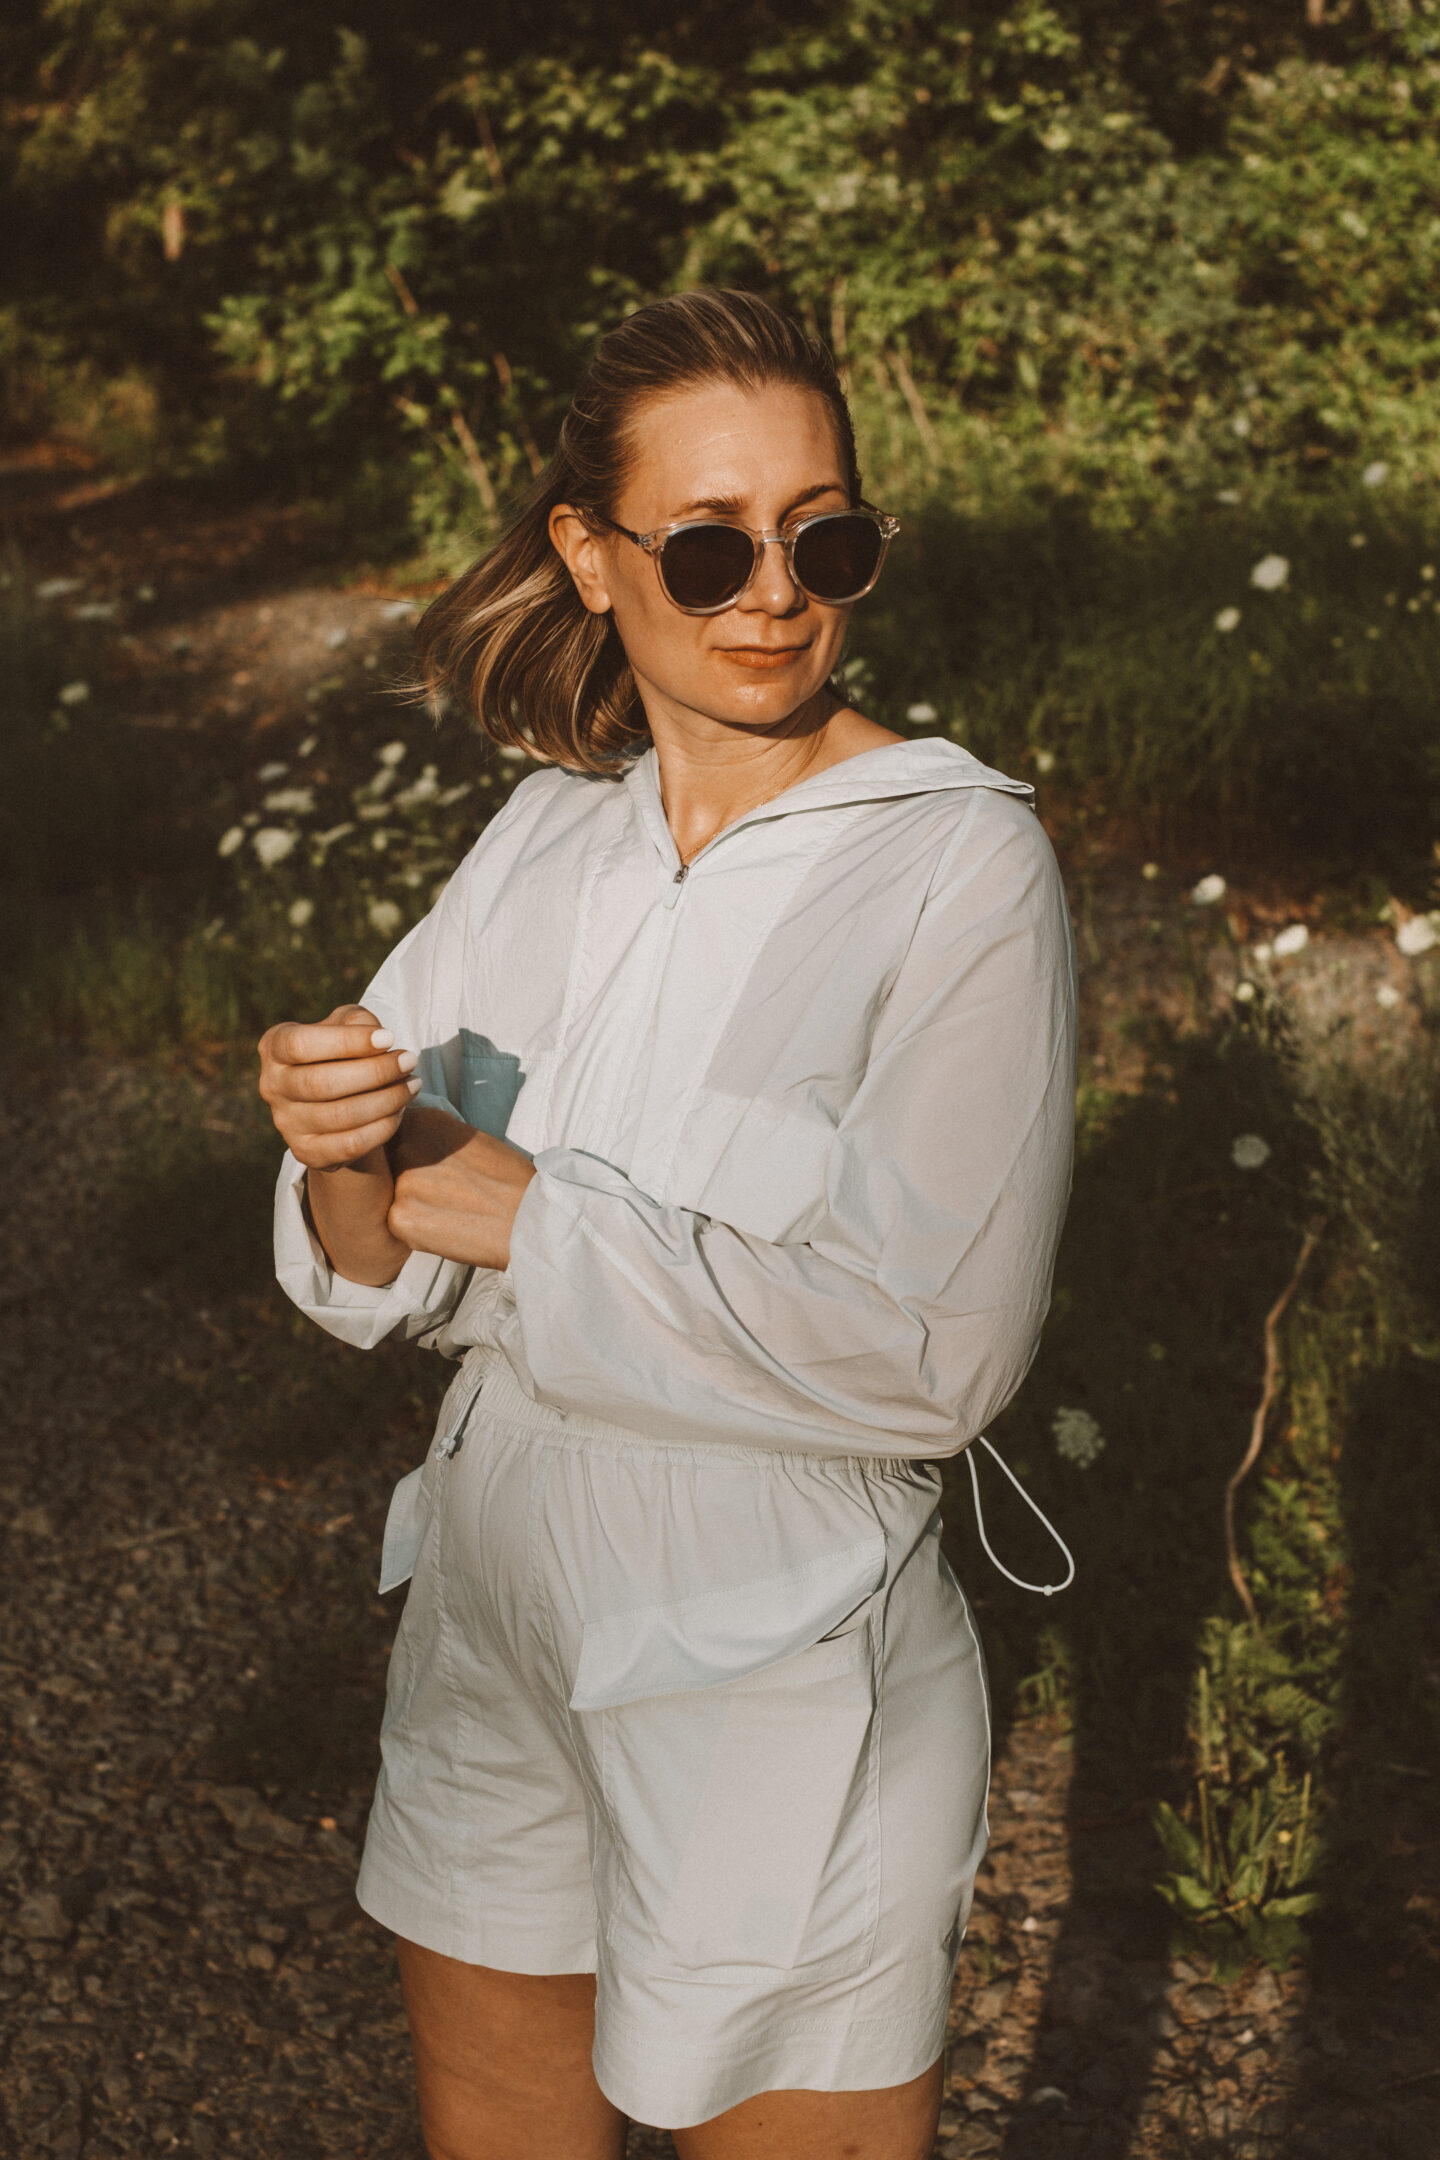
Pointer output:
709, 779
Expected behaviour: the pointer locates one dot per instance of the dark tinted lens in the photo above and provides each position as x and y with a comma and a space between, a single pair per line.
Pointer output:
706, 565
836, 557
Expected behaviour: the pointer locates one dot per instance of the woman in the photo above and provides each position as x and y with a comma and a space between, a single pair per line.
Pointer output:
718, 1119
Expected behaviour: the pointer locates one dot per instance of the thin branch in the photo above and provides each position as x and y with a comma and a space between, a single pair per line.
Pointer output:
1262, 1412
916, 404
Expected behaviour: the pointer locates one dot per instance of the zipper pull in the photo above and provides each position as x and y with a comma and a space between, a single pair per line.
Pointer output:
681, 874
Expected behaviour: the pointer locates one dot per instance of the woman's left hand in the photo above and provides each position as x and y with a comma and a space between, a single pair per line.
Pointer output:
457, 1191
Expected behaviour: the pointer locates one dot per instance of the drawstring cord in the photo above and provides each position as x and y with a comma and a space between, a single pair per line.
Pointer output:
1041, 1589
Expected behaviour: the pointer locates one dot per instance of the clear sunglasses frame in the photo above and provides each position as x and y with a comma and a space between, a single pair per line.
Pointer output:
653, 544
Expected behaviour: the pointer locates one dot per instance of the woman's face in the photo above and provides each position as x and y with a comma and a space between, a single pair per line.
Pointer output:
763, 458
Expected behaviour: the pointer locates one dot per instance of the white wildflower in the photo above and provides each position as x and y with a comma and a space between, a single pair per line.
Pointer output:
423, 790
1044, 761
1227, 620
390, 753
1078, 1439
1387, 997
1376, 473
56, 588
1291, 941
1418, 934
1270, 573
272, 843
1240, 425
300, 913
1209, 891
276, 770
298, 801
307, 746
1150, 871
74, 693
1244, 993
1250, 1152
1359, 540
921, 714
1262, 953
1228, 495
380, 841
231, 839
384, 916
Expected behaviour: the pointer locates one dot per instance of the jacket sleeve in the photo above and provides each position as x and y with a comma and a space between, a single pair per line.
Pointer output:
912, 1314
414, 995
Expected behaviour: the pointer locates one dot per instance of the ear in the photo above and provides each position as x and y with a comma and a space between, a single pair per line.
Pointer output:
582, 551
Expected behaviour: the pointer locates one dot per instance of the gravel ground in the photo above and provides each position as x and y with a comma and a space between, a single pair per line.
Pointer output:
193, 1663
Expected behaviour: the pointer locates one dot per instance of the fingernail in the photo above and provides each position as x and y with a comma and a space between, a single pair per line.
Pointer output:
415, 1085
381, 1039
407, 1061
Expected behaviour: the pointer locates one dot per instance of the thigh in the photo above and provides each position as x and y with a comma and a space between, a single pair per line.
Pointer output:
502, 2061
897, 2123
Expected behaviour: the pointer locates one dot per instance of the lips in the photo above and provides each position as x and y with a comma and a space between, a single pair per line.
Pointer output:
762, 656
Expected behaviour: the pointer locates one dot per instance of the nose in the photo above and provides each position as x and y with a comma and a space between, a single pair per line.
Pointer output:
772, 590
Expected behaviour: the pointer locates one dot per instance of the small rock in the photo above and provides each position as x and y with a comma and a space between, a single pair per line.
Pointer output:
261, 1957
42, 1918
1266, 1994
1204, 2002
967, 2057
256, 1827
1047, 2096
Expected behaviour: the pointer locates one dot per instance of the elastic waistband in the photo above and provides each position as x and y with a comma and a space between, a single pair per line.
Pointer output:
497, 1394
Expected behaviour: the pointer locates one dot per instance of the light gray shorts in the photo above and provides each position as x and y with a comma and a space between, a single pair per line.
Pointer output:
709, 1723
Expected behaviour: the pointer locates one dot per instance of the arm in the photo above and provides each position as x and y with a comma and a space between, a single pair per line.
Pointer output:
912, 1314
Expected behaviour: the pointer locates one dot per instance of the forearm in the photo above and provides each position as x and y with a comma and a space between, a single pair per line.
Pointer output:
349, 1207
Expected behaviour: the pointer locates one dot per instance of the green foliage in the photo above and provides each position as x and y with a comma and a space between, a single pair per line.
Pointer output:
1121, 245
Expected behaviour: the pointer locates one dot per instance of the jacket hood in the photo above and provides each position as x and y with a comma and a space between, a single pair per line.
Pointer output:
930, 766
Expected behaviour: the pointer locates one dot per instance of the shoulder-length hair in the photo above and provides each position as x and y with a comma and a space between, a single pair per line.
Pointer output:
511, 639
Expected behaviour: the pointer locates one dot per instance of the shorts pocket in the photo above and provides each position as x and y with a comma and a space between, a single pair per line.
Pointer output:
742, 1819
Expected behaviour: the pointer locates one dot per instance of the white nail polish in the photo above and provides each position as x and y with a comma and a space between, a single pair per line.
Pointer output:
407, 1061
415, 1085
381, 1039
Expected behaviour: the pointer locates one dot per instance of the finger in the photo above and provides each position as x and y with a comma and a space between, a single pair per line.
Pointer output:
353, 1076
353, 1110
332, 1152
296, 1042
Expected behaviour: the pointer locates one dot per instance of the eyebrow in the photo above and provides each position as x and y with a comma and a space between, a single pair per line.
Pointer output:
732, 505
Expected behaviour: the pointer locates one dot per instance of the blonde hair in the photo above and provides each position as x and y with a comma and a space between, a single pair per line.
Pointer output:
511, 639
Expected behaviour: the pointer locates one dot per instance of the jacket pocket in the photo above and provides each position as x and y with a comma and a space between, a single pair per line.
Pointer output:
742, 1807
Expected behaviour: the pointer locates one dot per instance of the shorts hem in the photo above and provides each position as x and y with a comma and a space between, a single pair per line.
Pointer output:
422, 1912
677, 2087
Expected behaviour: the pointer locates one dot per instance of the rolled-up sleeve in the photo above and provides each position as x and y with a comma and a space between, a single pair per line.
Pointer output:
911, 1314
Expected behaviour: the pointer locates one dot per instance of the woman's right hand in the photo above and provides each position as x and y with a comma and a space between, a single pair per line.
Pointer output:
337, 1089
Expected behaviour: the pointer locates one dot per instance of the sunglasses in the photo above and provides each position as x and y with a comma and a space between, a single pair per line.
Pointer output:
704, 566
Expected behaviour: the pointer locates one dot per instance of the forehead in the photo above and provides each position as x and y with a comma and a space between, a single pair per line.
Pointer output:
718, 440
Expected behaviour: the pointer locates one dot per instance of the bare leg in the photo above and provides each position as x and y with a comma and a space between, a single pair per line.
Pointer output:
503, 2063
897, 2123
